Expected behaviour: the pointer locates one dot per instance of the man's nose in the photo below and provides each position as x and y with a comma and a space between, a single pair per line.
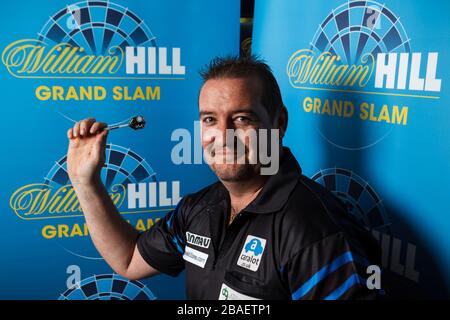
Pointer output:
223, 126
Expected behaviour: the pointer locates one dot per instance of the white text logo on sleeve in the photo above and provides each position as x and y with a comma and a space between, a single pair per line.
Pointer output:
196, 240
194, 256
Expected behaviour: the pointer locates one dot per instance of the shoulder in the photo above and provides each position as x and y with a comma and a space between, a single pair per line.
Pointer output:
194, 203
313, 213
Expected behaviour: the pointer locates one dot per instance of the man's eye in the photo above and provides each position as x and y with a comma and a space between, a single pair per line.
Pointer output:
208, 120
242, 119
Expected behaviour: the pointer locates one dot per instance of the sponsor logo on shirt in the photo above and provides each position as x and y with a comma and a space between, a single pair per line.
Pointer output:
227, 293
195, 257
251, 253
196, 240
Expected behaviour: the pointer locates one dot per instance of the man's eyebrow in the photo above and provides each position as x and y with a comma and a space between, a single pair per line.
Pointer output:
204, 113
251, 112
246, 111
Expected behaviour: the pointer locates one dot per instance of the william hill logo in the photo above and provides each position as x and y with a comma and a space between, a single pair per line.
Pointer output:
362, 46
387, 71
360, 67
76, 43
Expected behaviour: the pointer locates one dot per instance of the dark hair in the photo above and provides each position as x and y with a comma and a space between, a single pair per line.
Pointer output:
248, 66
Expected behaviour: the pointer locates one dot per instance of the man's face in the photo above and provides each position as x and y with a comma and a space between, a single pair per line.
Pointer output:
231, 103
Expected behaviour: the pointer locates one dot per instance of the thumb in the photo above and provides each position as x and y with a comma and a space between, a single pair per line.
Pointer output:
100, 143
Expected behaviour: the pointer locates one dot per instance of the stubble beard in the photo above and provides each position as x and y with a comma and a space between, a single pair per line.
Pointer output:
235, 172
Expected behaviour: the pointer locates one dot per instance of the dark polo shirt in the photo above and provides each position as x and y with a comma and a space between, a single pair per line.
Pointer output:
295, 240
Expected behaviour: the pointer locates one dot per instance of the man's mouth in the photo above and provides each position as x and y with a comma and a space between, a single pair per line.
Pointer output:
223, 152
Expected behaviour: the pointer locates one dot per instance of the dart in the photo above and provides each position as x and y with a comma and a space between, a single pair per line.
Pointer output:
135, 123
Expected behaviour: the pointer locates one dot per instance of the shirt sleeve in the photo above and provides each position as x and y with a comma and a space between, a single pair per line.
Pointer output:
330, 269
162, 246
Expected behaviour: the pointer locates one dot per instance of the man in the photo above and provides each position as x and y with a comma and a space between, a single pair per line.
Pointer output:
248, 236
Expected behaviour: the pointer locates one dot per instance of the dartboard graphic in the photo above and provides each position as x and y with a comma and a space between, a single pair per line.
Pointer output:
108, 287
96, 26
122, 166
359, 27
360, 198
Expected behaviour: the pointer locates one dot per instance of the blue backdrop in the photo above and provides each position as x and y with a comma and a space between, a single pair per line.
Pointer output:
366, 86
46, 250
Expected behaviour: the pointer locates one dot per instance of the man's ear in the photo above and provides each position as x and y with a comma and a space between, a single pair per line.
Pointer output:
282, 121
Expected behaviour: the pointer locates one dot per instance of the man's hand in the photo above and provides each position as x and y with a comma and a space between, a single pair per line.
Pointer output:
86, 154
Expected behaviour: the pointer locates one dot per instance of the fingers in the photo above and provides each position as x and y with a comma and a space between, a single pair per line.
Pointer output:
76, 130
97, 126
85, 126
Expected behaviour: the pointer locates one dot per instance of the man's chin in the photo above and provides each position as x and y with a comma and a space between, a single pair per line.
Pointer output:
233, 172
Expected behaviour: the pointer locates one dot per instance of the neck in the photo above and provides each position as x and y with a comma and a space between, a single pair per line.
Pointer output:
243, 192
